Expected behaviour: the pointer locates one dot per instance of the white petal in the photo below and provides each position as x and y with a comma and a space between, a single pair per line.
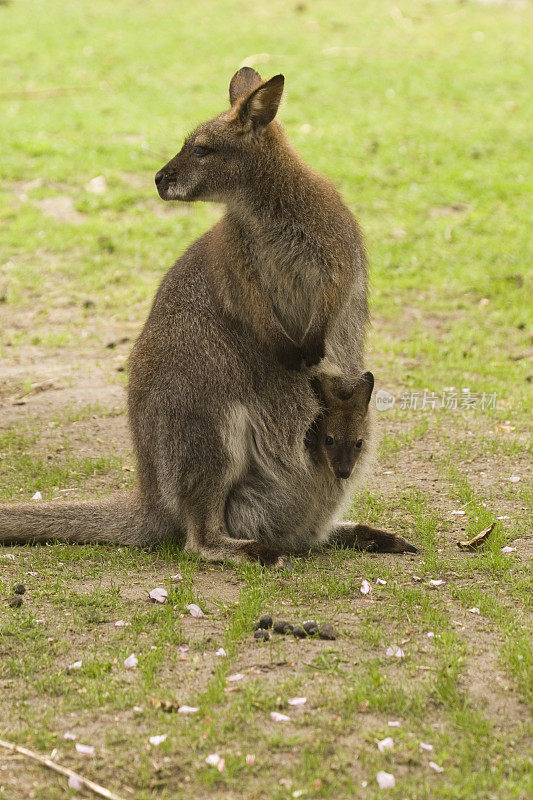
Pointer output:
221, 652
430, 635
75, 665
459, 513
75, 783
97, 185
277, 717
435, 767
437, 582
474, 610
195, 610
386, 744
188, 710
120, 623
385, 780
234, 678
250, 759
7, 556
508, 549
213, 759
505, 516
381, 581
514, 478
297, 701
365, 587
394, 651
131, 661
157, 740
425, 746
394, 723
69, 735
177, 577
37, 496
86, 749
158, 595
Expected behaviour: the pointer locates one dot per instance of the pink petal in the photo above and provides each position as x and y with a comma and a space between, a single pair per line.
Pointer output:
435, 767
385, 780
386, 744
158, 595
234, 678
131, 661
75, 783
188, 710
277, 717
195, 610
427, 747
86, 749
297, 701
365, 587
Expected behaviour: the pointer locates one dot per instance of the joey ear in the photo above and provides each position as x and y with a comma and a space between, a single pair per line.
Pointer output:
243, 82
365, 387
261, 106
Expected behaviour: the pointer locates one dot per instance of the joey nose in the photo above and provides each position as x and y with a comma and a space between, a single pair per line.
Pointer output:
344, 473
159, 177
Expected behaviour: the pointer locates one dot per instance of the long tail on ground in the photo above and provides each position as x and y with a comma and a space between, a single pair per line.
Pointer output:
119, 519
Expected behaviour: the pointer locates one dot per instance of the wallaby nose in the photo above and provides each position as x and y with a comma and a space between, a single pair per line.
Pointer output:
159, 177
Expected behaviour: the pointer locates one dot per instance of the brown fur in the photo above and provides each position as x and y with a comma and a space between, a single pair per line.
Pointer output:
217, 419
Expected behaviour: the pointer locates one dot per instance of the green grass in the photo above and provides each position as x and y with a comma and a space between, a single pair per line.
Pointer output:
419, 112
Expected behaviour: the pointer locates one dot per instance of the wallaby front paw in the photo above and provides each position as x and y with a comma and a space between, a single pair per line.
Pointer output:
314, 351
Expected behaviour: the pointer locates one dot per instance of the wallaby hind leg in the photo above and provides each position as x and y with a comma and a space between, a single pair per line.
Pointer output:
207, 537
365, 537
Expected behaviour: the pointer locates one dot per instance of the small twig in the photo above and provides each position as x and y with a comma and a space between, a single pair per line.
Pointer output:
47, 762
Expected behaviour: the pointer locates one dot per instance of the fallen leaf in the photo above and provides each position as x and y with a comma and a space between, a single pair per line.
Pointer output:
131, 661
195, 610
393, 651
478, 539
275, 716
297, 701
85, 749
386, 744
505, 428
188, 710
385, 780
158, 595
157, 740
365, 587
435, 767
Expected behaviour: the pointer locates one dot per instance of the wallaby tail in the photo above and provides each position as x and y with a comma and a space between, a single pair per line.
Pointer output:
121, 519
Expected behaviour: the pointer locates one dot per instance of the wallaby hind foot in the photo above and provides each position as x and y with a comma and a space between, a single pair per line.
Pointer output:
365, 537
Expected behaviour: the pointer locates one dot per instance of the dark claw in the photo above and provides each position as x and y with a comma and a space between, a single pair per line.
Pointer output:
410, 548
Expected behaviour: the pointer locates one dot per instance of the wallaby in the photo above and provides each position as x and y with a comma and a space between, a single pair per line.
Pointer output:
217, 419
342, 430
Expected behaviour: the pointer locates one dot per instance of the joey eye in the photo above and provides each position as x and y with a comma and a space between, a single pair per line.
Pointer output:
330, 441
200, 150
359, 444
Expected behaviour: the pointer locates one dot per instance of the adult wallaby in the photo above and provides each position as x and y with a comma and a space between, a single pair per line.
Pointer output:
218, 408
340, 434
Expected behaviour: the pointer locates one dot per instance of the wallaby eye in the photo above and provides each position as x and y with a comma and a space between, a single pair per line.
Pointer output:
200, 150
330, 441
359, 444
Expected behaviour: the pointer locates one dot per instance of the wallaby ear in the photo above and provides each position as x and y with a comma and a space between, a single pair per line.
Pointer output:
261, 106
243, 82
365, 387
